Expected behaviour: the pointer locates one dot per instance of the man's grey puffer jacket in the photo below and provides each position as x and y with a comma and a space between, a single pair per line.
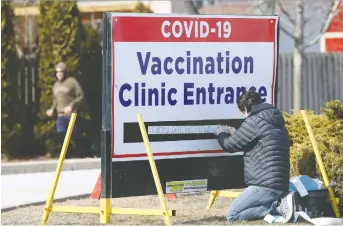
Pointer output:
264, 139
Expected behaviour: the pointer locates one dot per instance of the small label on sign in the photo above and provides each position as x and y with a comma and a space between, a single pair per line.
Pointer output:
186, 186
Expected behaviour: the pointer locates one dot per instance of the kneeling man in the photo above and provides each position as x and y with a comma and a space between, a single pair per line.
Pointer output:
264, 140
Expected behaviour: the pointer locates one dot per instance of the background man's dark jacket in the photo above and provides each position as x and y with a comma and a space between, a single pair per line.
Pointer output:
264, 139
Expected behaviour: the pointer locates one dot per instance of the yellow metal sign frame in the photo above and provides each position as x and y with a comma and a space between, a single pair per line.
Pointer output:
105, 210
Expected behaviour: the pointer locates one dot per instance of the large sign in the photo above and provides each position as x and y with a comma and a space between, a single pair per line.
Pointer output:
184, 74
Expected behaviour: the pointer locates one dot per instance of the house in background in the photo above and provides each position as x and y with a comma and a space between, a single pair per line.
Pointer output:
26, 16
92, 11
332, 40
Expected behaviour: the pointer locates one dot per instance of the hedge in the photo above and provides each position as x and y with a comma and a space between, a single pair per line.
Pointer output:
60, 37
328, 130
141, 8
10, 127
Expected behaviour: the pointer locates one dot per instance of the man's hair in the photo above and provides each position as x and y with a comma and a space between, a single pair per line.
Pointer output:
64, 68
247, 100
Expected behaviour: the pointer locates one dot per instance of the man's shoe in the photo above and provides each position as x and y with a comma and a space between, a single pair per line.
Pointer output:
286, 207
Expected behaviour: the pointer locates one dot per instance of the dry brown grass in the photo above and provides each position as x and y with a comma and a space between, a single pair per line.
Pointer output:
190, 210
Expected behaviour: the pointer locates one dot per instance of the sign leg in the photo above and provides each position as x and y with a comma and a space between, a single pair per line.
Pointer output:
213, 196
106, 177
320, 163
48, 205
105, 210
154, 170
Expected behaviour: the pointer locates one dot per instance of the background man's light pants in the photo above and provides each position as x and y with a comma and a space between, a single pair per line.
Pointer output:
254, 203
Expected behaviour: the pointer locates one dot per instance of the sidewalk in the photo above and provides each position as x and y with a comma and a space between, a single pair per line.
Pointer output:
49, 166
31, 188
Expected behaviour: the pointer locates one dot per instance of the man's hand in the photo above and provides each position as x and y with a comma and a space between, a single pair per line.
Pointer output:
221, 129
232, 130
49, 112
67, 109
224, 129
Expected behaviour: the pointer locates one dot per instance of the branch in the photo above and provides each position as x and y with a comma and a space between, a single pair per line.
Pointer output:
329, 16
264, 7
20, 52
306, 20
285, 12
190, 7
290, 34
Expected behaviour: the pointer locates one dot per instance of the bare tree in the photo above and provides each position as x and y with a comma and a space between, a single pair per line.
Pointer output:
190, 7
325, 11
264, 7
293, 25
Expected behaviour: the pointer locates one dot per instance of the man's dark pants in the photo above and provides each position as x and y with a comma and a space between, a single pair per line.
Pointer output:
62, 123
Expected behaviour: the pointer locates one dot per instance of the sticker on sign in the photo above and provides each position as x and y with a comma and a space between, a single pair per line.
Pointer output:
186, 186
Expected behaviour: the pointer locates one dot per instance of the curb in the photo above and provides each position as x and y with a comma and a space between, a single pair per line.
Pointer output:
49, 166
75, 197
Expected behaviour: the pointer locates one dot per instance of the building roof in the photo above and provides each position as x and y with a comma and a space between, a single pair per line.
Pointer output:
336, 24
84, 7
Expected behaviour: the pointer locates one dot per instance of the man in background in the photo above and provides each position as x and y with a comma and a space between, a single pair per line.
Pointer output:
67, 95
264, 140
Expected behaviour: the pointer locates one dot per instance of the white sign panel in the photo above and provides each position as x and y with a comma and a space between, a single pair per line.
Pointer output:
183, 74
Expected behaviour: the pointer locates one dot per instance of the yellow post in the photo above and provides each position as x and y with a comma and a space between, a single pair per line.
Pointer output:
48, 205
227, 194
105, 210
320, 163
213, 196
154, 170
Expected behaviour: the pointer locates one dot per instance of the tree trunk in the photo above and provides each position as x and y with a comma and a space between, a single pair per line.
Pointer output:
298, 54
297, 68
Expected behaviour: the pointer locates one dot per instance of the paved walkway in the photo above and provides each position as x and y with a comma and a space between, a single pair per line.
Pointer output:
49, 166
29, 188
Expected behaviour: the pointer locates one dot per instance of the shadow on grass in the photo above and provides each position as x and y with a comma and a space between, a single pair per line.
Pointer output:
217, 220
207, 220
